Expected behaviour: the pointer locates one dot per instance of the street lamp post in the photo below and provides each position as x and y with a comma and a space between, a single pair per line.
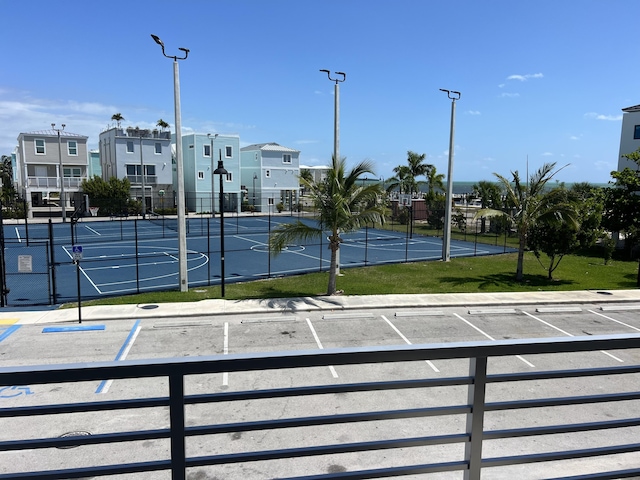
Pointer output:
212, 138
144, 202
446, 241
336, 131
61, 173
182, 237
255, 177
222, 172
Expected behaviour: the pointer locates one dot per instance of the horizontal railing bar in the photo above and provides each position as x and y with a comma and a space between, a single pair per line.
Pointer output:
387, 472
102, 470
634, 472
325, 389
46, 374
564, 455
553, 374
326, 420
84, 407
226, 459
61, 442
555, 429
554, 402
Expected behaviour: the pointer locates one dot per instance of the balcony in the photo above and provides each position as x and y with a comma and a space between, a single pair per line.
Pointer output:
72, 183
148, 179
472, 423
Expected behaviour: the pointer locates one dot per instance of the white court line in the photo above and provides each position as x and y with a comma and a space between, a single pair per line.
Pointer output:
617, 321
18, 235
319, 343
491, 338
429, 362
568, 334
225, 351
92, 230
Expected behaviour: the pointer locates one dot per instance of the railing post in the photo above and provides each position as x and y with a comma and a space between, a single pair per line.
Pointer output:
176, 422
475, 419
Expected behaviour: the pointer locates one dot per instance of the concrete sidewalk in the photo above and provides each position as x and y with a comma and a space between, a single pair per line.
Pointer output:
302, 304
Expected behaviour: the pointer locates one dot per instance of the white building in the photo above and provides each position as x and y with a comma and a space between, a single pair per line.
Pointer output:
630, 136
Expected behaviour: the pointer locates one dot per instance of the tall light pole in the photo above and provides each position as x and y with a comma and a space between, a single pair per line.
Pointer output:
446, 241
222, 172
212, 138
255, 177
182, 236
61, 173
336, 131
144, 202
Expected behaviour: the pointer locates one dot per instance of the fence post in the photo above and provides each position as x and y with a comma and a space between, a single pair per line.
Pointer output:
176, 422
475, 419
135, 226
52, 266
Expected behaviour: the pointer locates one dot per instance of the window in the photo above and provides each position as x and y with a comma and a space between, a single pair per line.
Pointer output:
200, 175
636, 132
130, 146
72, 147
228, 151
206, 150
229, 177
286, 158
267, 174
72, 172
271, 202
40, 146
133, 169
149, 169
158, 147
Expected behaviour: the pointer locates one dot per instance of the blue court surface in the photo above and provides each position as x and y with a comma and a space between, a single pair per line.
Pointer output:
125, 256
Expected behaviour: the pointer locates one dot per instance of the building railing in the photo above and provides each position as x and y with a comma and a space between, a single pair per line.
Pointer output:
470, 436
54, 182
148, 179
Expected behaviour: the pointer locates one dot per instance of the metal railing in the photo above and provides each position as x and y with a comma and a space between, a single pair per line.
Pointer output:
470, 438
54, 182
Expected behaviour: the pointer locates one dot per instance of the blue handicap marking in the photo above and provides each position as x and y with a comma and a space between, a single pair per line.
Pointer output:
15, 391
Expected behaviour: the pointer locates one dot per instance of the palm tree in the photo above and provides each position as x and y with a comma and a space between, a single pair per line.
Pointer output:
489, 195
117, 117
402, 181
344, 205
435, 182
162, 124
417, 168
529, 205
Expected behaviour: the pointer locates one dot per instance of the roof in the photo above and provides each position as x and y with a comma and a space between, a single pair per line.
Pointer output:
268, 147
635, 108
54, 133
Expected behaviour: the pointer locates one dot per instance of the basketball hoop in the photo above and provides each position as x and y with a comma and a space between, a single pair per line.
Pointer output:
94, 211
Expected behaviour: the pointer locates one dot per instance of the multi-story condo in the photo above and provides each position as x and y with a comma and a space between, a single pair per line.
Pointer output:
48, 163
200, 156
144, 157
630, 136
272, 171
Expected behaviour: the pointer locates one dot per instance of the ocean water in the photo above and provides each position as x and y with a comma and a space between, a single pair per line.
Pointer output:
467, 187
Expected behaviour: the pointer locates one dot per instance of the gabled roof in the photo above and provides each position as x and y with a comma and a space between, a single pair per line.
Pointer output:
269, 147
54, 133
635, 108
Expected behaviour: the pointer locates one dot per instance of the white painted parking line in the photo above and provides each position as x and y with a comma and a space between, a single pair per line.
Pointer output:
429, 362
419, 313
338, 316
270, 319
614, 320
568, 334
225, 351
558, 309
319, 343
492, 311
527, 362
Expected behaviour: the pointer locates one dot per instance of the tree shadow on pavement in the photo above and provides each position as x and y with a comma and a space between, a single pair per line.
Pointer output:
505, 281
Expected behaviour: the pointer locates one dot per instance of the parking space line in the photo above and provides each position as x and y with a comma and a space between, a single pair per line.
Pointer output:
9, 331
122, 354
569, 334
319, 343
225, 351
527, 362
614, 320
429, 362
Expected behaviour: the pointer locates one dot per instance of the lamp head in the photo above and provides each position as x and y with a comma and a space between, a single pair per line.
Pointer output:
326, 71
157, 40
185, 50
220, 170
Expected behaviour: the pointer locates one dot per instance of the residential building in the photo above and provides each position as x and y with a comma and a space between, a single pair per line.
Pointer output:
94, 167
49, 162
144, 157
200, 156
318, 172
272, 171
630, 136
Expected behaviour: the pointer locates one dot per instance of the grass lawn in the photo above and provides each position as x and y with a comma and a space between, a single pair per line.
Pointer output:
474, 274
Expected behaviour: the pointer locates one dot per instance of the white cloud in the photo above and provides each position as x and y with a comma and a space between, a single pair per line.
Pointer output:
501, 85
574, 137
547, 154
599, 116
509, 95
524, 78
473, 112
305, 142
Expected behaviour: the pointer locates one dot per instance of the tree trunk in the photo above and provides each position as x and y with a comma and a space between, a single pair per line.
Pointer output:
331, 288
520, 267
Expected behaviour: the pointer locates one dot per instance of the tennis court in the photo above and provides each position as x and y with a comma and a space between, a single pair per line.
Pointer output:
129, 256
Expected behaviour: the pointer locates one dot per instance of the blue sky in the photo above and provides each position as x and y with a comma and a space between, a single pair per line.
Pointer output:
543, 80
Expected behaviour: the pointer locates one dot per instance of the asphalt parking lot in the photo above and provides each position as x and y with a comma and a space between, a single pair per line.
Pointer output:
281, 331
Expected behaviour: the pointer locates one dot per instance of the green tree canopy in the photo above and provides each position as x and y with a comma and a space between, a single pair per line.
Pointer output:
112, 197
